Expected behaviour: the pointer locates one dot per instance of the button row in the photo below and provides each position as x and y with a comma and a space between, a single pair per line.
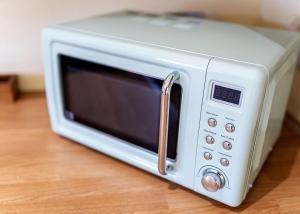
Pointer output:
229, 127
223, 161
226, 145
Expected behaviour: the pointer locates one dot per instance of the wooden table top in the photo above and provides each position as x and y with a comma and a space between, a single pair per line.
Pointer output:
41, 172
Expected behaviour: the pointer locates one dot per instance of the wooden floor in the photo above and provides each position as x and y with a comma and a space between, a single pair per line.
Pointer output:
41, 172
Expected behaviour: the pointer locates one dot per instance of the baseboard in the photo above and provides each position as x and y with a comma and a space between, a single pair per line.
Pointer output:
31, 83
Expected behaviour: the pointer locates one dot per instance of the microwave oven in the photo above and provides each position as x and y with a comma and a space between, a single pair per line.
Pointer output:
197, 102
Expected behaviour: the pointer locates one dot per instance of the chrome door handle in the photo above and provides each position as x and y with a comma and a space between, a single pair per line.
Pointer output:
164, 120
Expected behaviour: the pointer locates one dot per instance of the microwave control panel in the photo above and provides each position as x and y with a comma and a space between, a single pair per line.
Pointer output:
219, 138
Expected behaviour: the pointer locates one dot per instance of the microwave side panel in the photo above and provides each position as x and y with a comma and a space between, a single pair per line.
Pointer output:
249, 83
277, 97
273, 113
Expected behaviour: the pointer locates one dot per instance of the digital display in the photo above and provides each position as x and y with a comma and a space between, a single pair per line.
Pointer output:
225, 94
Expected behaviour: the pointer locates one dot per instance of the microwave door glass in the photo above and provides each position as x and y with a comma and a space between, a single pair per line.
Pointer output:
122, 104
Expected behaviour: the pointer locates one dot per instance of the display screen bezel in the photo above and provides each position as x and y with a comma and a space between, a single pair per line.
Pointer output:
229, 86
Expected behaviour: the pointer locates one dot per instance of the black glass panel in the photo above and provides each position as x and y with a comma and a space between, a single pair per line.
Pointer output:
227, 94
120, 103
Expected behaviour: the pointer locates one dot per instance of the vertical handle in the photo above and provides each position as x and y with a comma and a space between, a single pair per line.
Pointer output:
164, 120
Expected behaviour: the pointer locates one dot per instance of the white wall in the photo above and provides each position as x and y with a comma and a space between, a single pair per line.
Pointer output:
21, 22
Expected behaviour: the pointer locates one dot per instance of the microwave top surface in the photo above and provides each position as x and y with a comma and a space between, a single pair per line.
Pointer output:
193, 35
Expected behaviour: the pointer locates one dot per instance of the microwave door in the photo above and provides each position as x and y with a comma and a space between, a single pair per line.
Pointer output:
119, 103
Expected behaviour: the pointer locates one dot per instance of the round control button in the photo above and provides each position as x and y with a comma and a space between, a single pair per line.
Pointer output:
224, 162
227, 145
209, 139
207, 156
230, 127
212, 180
212, 122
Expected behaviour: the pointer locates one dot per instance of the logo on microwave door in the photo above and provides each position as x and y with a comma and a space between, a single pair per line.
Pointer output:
69, 115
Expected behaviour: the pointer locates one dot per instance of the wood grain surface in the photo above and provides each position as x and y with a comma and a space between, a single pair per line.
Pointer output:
41, 172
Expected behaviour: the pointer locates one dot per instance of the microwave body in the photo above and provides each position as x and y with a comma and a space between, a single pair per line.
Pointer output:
197, 102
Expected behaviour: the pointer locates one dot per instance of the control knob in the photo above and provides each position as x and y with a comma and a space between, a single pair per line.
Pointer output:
212, 180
